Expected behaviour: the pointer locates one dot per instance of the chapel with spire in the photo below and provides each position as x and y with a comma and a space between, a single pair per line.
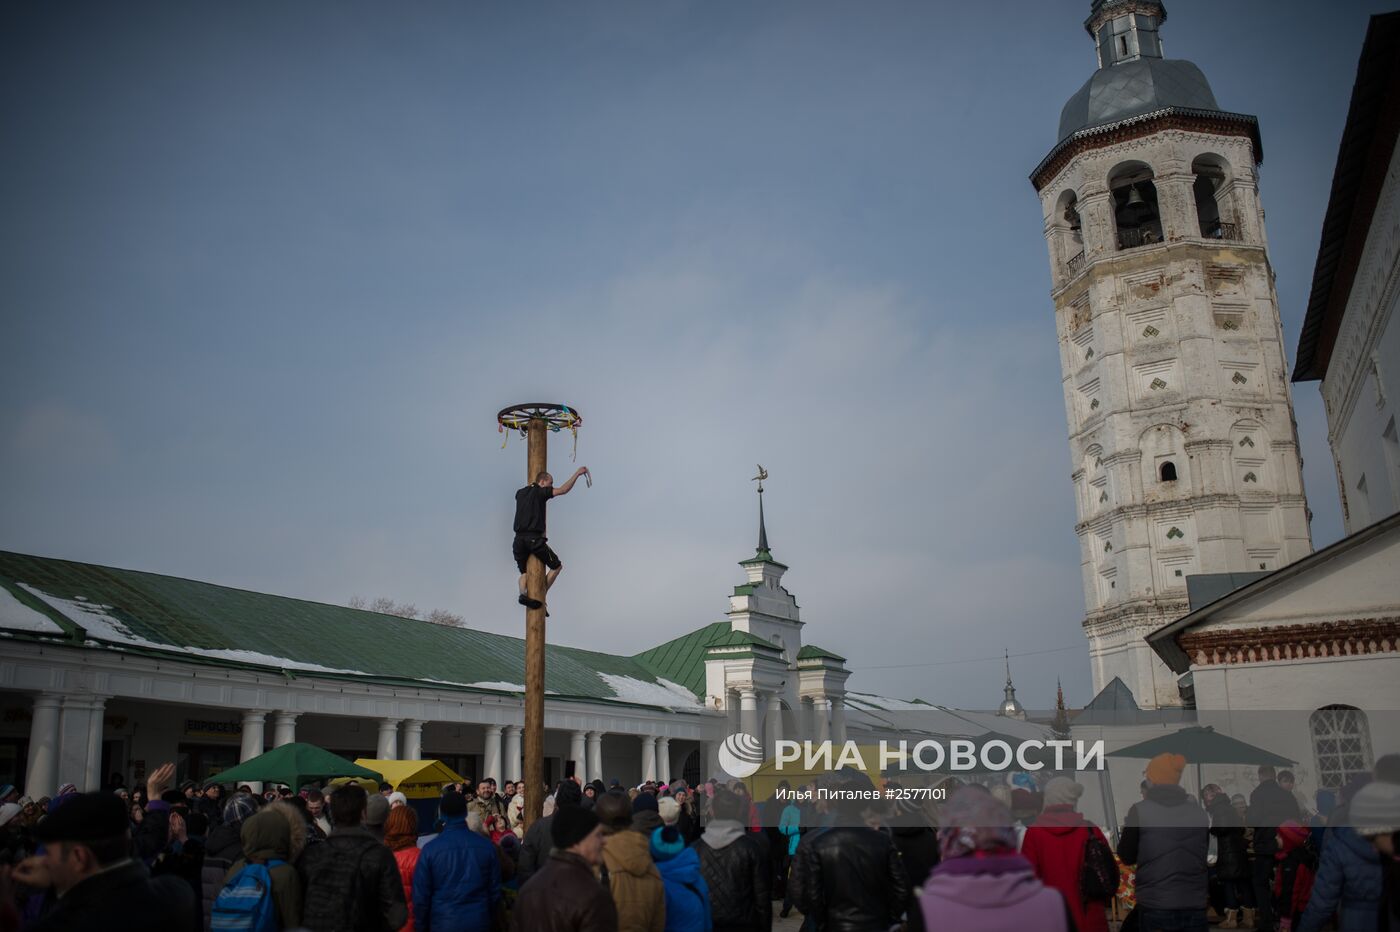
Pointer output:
1183, 448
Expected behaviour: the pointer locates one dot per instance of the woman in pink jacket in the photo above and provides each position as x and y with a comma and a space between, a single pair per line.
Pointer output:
982, 884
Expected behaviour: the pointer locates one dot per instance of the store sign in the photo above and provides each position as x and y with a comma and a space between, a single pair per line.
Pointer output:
202, 728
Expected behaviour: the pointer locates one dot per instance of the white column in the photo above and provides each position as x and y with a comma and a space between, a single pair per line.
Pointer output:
96, 721
578, 753
388, 739
748, 712
412, 739
492, 762
774, 720
512, 762
42, 778
648, 758
595, 755
254, 722
820, 706
808, 721
284, 728
663, 759
838, 719
74, 727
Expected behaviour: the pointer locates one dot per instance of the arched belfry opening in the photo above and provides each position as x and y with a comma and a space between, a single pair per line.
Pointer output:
1136, 216
1210, 173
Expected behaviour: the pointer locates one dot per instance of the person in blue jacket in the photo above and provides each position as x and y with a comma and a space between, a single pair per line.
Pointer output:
457, 883
1349, 883
687, 895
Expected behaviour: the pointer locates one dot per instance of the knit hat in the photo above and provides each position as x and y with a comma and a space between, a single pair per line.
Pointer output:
452, 804
6, 789
645, 802
666, 843
401, 828
8, 811
1292, 834
571, 825
65, 789
376, 809
397, 797
1062, 791
238, 808
568, 794
974, 820
670, 810
1165, 768
1375, 810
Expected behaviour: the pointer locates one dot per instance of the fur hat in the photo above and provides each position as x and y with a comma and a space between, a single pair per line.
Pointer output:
670, 810
85, 817
645, 802
1165, 768
1062, 791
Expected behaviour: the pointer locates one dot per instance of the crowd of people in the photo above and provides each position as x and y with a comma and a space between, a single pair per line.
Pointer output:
672, 858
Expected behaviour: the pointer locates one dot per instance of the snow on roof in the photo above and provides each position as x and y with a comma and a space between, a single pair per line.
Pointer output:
99, 625
885, 704
15, 614
663, 692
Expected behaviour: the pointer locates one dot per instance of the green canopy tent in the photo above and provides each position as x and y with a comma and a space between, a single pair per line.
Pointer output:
1202, 744
295, 765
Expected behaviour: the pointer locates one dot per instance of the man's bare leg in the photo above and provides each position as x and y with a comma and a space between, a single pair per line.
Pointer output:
525, 599
548, 582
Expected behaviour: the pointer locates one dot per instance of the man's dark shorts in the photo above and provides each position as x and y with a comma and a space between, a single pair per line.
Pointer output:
524, 546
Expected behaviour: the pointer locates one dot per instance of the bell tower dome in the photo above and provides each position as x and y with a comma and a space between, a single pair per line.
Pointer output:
1183, 448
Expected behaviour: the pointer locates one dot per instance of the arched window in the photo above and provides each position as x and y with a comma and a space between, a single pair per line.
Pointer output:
1212, 211
1135, 212
1168, 471
1341, 743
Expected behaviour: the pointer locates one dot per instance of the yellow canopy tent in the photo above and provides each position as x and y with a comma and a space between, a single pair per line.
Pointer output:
416, 779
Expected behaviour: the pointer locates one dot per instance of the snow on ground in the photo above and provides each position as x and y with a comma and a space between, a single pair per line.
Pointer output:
101, 626
662, 693
16, 615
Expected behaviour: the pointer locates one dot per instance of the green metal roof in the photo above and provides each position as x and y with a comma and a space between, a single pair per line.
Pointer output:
812, 652
682, 660
762, 556
207, 623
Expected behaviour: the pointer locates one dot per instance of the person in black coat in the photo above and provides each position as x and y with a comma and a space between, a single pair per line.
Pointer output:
94, 882
1232, 867
1270, 805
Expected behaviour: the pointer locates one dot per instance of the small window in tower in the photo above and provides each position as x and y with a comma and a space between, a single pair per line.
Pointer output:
1122, 47
1168, 471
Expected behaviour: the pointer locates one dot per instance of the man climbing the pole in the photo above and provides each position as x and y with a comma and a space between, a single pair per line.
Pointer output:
530, 537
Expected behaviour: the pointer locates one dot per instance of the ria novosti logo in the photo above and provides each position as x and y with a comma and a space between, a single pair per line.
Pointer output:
740, 755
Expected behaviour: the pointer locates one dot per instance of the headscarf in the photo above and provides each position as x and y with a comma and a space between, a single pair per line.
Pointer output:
401, 828
975, 823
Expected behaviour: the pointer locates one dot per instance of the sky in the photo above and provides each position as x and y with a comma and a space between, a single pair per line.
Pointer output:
268, 271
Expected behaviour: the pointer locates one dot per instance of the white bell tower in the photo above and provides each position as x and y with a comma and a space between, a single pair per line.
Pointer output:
1183, 448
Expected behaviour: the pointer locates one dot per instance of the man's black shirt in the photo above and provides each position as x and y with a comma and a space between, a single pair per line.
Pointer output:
529, 510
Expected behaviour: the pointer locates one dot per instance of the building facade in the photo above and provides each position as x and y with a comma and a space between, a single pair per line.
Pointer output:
1184, 452
106, 673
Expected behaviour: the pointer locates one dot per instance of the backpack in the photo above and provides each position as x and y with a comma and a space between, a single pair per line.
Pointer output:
245, 903
1098, 875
